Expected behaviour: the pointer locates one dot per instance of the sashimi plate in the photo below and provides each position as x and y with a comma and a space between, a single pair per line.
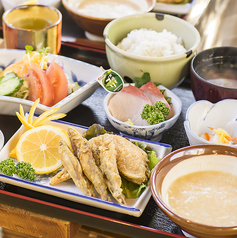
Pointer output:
68, 190
85, 74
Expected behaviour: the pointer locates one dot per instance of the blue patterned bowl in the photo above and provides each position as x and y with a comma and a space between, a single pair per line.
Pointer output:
152, 132
85, 74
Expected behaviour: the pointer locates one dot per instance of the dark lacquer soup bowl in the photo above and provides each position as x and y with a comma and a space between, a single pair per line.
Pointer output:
214, 74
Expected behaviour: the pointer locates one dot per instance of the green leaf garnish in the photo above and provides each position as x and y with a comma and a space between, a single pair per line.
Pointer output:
29, 49
143, 80
44, 53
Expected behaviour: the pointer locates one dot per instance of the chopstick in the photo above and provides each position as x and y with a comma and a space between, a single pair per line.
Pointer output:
82, 43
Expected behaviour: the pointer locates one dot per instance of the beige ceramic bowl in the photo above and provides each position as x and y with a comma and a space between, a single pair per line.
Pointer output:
95, 24
187, 160
167, 70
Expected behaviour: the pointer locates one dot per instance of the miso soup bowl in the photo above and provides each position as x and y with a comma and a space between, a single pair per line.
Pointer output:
224, 57
184, 161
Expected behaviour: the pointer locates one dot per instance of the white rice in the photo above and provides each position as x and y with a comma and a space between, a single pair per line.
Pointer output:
147, 42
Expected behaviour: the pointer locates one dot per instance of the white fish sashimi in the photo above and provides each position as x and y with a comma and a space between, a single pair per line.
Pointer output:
128, 104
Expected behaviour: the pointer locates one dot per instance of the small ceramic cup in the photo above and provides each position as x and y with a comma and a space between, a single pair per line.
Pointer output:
39, 26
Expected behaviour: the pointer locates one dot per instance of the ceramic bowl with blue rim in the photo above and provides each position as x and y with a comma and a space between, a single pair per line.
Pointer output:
204, 114
85, 74
151, 132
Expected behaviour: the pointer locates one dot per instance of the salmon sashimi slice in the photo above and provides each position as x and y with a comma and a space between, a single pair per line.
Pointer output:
128, 104
154, 94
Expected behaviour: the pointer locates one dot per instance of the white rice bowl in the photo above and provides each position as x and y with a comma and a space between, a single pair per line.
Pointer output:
148, 42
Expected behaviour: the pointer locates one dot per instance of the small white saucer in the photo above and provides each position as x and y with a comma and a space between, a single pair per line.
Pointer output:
93, 37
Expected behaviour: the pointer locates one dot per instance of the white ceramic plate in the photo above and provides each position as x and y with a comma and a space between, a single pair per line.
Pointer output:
181, 9
68, 190
85, 74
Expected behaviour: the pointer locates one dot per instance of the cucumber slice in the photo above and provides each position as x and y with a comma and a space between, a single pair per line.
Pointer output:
7, 76
9, 84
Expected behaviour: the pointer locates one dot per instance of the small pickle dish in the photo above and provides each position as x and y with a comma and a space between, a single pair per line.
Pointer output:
212, 123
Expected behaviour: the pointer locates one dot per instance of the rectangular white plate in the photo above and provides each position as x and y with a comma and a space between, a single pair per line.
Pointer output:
68, 190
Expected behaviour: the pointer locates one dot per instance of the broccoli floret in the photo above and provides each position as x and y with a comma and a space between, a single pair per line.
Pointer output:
25, 171
22, 169
155, 114
7, 166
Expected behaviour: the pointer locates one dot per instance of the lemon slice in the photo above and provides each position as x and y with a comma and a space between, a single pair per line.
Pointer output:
39, 147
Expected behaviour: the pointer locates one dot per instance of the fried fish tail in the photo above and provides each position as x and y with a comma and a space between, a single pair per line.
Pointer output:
61, 176
83, 152
73, 167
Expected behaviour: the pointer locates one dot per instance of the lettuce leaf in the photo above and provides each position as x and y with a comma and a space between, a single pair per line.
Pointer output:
93, 131
132, 190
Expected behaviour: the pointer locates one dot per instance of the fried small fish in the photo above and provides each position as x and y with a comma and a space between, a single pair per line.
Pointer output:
72, 165
132, 161
108, 166
83, 152
61, 176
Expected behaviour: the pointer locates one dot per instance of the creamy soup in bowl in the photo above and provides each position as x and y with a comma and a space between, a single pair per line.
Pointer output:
196, 187
107, 8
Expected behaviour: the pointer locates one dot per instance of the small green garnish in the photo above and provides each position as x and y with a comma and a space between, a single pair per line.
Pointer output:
7, 166
93, 131
155, 114
143, 80
25, 171
168, 99
22, 169
139, 81
44, 53
29, 49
